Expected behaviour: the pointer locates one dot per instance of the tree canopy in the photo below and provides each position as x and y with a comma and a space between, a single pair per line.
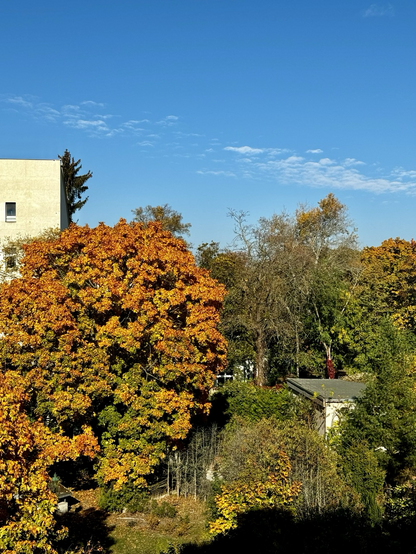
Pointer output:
27, 450
114, 327
291, 278
170, 219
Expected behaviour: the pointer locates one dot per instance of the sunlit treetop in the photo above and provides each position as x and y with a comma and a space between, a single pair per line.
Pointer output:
115, 327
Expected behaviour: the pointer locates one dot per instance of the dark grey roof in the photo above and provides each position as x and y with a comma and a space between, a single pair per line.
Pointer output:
328, 390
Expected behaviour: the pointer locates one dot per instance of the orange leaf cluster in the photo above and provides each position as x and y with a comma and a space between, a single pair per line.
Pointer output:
114, 327
27, 450
389, 277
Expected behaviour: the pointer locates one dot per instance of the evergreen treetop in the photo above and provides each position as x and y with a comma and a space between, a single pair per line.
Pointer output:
74, 184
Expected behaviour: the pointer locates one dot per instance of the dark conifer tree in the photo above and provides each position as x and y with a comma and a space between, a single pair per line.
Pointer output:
74, 184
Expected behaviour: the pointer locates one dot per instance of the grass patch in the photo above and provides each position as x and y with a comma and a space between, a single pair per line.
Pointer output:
167, 522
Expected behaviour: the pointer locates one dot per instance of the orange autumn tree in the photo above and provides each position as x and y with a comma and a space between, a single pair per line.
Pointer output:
388, 284
27, 450
115, 327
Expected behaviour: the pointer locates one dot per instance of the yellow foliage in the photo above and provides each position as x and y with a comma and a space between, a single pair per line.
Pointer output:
242, 495
27, 450
117, 328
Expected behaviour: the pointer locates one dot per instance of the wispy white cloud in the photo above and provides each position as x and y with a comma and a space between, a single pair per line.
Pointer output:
44, 111
352, 161
247, 150
169, 137
92, 103
19, 101
181, 134
146, 143
70, 108
217, 173
403, 174
97, 124
87, 116
169, 120
379, 10
326, 172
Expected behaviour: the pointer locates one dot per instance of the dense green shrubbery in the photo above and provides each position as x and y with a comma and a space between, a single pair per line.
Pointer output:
128, 497
312, 462
251, 402
133, 500
163, 509
362, 471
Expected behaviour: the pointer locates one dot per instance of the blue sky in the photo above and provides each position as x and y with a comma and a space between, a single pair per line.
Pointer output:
212, 105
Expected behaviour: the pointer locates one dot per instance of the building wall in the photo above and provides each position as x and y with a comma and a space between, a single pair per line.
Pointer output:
327, 415
37, 189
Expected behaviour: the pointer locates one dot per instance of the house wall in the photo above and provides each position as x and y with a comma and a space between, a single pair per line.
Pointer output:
328, 415
37, 189
320, 419
332, 413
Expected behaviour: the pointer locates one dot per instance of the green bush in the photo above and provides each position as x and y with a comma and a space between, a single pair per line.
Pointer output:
164, 509
400, 505
252, 402
129, 497
362, 470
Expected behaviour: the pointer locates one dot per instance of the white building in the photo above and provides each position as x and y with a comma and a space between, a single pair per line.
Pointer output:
329, 397
32, 197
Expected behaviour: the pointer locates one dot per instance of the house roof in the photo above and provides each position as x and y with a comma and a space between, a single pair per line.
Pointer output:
327, 390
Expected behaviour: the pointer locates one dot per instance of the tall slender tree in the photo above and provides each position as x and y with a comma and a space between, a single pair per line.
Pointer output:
74, 184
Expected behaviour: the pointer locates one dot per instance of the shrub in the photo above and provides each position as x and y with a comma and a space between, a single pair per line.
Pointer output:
129, 496
252, 402
164, 509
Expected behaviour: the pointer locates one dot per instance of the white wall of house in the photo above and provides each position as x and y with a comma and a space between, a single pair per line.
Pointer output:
327, 414
33, 189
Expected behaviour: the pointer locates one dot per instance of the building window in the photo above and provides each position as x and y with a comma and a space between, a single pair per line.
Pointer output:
10, 212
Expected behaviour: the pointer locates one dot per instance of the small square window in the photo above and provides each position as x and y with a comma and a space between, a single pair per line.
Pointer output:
10, 212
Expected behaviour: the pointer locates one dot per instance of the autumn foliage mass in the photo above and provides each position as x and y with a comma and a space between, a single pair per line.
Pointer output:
111, 335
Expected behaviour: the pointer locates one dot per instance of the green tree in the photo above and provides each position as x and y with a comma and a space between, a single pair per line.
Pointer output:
170, 219
385, 290
246, 463
362, 471
388, 283
334, 270
74, 184
296, 278
223, 265
384, 418
253, 403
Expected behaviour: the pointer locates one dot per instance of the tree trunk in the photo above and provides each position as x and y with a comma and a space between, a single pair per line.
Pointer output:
261, 361
297, 351
330, 370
